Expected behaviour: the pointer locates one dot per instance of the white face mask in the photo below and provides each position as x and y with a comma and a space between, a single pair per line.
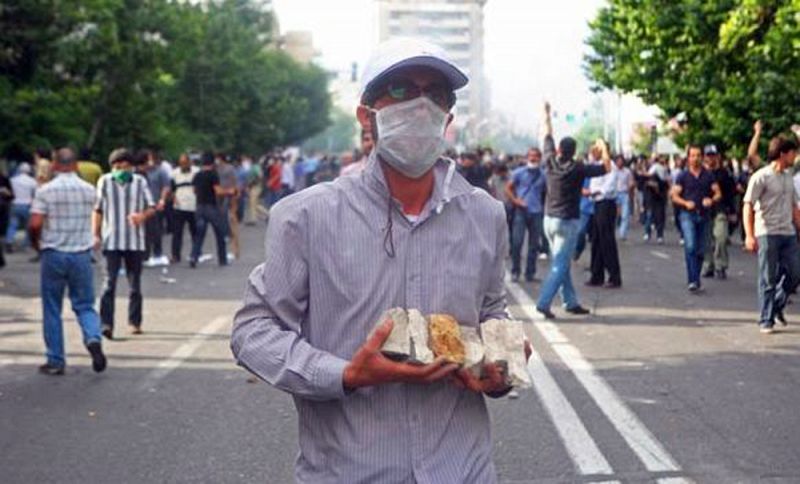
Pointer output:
533, 164
411, 135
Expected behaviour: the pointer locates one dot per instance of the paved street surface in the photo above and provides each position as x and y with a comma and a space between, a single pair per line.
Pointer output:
656, 386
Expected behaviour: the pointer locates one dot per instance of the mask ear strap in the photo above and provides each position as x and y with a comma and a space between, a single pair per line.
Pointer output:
388, 238
451, 170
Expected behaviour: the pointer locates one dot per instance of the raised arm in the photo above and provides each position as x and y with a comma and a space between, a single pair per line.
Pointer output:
548, 144
752, 150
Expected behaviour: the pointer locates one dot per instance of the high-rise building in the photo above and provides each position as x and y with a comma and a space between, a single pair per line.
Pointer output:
457, 26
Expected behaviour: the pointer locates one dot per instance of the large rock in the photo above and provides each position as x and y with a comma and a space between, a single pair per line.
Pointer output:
418, 330
398, 344
445, 338
504, 345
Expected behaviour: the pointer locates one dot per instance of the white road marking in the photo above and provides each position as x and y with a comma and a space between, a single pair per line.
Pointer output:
580, 446
661, 255
184, 351
646, 447
674, 480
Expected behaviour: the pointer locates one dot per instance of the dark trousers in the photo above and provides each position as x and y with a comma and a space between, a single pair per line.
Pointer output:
657, 216
133, 268
604, 243
153, 231
205, 215
181, 218
5, 213
531, 224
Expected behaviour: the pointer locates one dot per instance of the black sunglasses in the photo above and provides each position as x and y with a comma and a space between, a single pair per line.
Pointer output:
405, 90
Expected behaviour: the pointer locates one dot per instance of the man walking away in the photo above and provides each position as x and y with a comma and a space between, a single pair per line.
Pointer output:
770, 207
124, 203
185, 204
229, 202
206, 189
159, 183
605, 257
715, 260
60, 227
695, 191
24, 187
564, 181
526, 190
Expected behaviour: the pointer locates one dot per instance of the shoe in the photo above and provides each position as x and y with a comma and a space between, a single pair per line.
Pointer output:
578, 310
151, 262
514, 277
192, 263
681, 243
708, 274
135, 329
543, 256
721, 275
612, 285
646, 237
98, 358
660, 241
766, 329
591, 283
546, 313
52, 370
107, 331
694, 287
781, 318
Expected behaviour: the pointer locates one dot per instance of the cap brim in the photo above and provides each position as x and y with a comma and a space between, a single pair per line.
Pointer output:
453, 74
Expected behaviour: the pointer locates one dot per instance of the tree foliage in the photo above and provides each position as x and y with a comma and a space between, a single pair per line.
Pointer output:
725, 63
104, 73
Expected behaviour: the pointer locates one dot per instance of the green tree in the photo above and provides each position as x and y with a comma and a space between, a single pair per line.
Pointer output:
723, 62
338, 137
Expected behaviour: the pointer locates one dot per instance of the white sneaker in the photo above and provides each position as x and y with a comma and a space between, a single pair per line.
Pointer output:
543, 256
163, 260
645, 237
681, 242
660, 241
204, 258
151, 262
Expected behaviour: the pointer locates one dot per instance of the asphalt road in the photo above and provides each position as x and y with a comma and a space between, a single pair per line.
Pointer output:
656, 386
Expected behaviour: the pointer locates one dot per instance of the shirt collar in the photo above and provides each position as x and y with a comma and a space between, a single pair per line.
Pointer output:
447, 185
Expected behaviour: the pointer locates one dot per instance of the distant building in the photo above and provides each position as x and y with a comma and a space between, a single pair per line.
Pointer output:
457, 26
299, 44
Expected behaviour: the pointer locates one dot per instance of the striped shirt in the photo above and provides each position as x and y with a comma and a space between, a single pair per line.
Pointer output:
66, 202
327, 278
117, 201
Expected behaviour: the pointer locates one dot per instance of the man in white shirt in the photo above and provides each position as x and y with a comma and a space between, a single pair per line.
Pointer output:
24, 188
185, 203
625, 186
605, 258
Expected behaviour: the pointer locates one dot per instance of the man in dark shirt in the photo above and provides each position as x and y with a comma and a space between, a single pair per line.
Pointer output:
715, 260
695, 191
207, 188
561, 222
474, 172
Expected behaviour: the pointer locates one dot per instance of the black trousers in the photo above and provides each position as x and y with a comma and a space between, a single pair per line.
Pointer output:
153, 231
605, 257
181, 218
133, 268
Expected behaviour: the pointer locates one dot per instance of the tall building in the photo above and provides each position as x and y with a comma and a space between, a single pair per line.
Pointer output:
457, 26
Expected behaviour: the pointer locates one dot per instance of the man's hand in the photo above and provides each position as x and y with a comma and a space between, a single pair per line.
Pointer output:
369, 367
707, 202
751, 244
136, 218
796, 130
491, 381
758, 126
161, 205
689, 205
547, 109
98, 242
518, 202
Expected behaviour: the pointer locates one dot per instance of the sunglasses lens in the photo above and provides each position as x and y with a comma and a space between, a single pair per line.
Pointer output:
398, 92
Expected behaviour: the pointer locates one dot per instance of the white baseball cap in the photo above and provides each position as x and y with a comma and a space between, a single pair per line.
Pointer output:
403, 52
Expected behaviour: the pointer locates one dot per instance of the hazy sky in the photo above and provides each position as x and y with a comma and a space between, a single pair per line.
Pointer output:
533, 48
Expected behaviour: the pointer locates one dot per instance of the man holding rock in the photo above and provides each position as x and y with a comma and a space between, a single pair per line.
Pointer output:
407, 232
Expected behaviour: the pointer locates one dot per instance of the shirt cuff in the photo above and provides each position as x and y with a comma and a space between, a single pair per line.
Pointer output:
328, 378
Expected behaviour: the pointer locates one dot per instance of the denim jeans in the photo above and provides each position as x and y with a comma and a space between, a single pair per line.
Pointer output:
210, 214
584, 224
182, 218
624, 204
778, 274
693, 226
531, 224
59, 271
562, 235
18, 219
